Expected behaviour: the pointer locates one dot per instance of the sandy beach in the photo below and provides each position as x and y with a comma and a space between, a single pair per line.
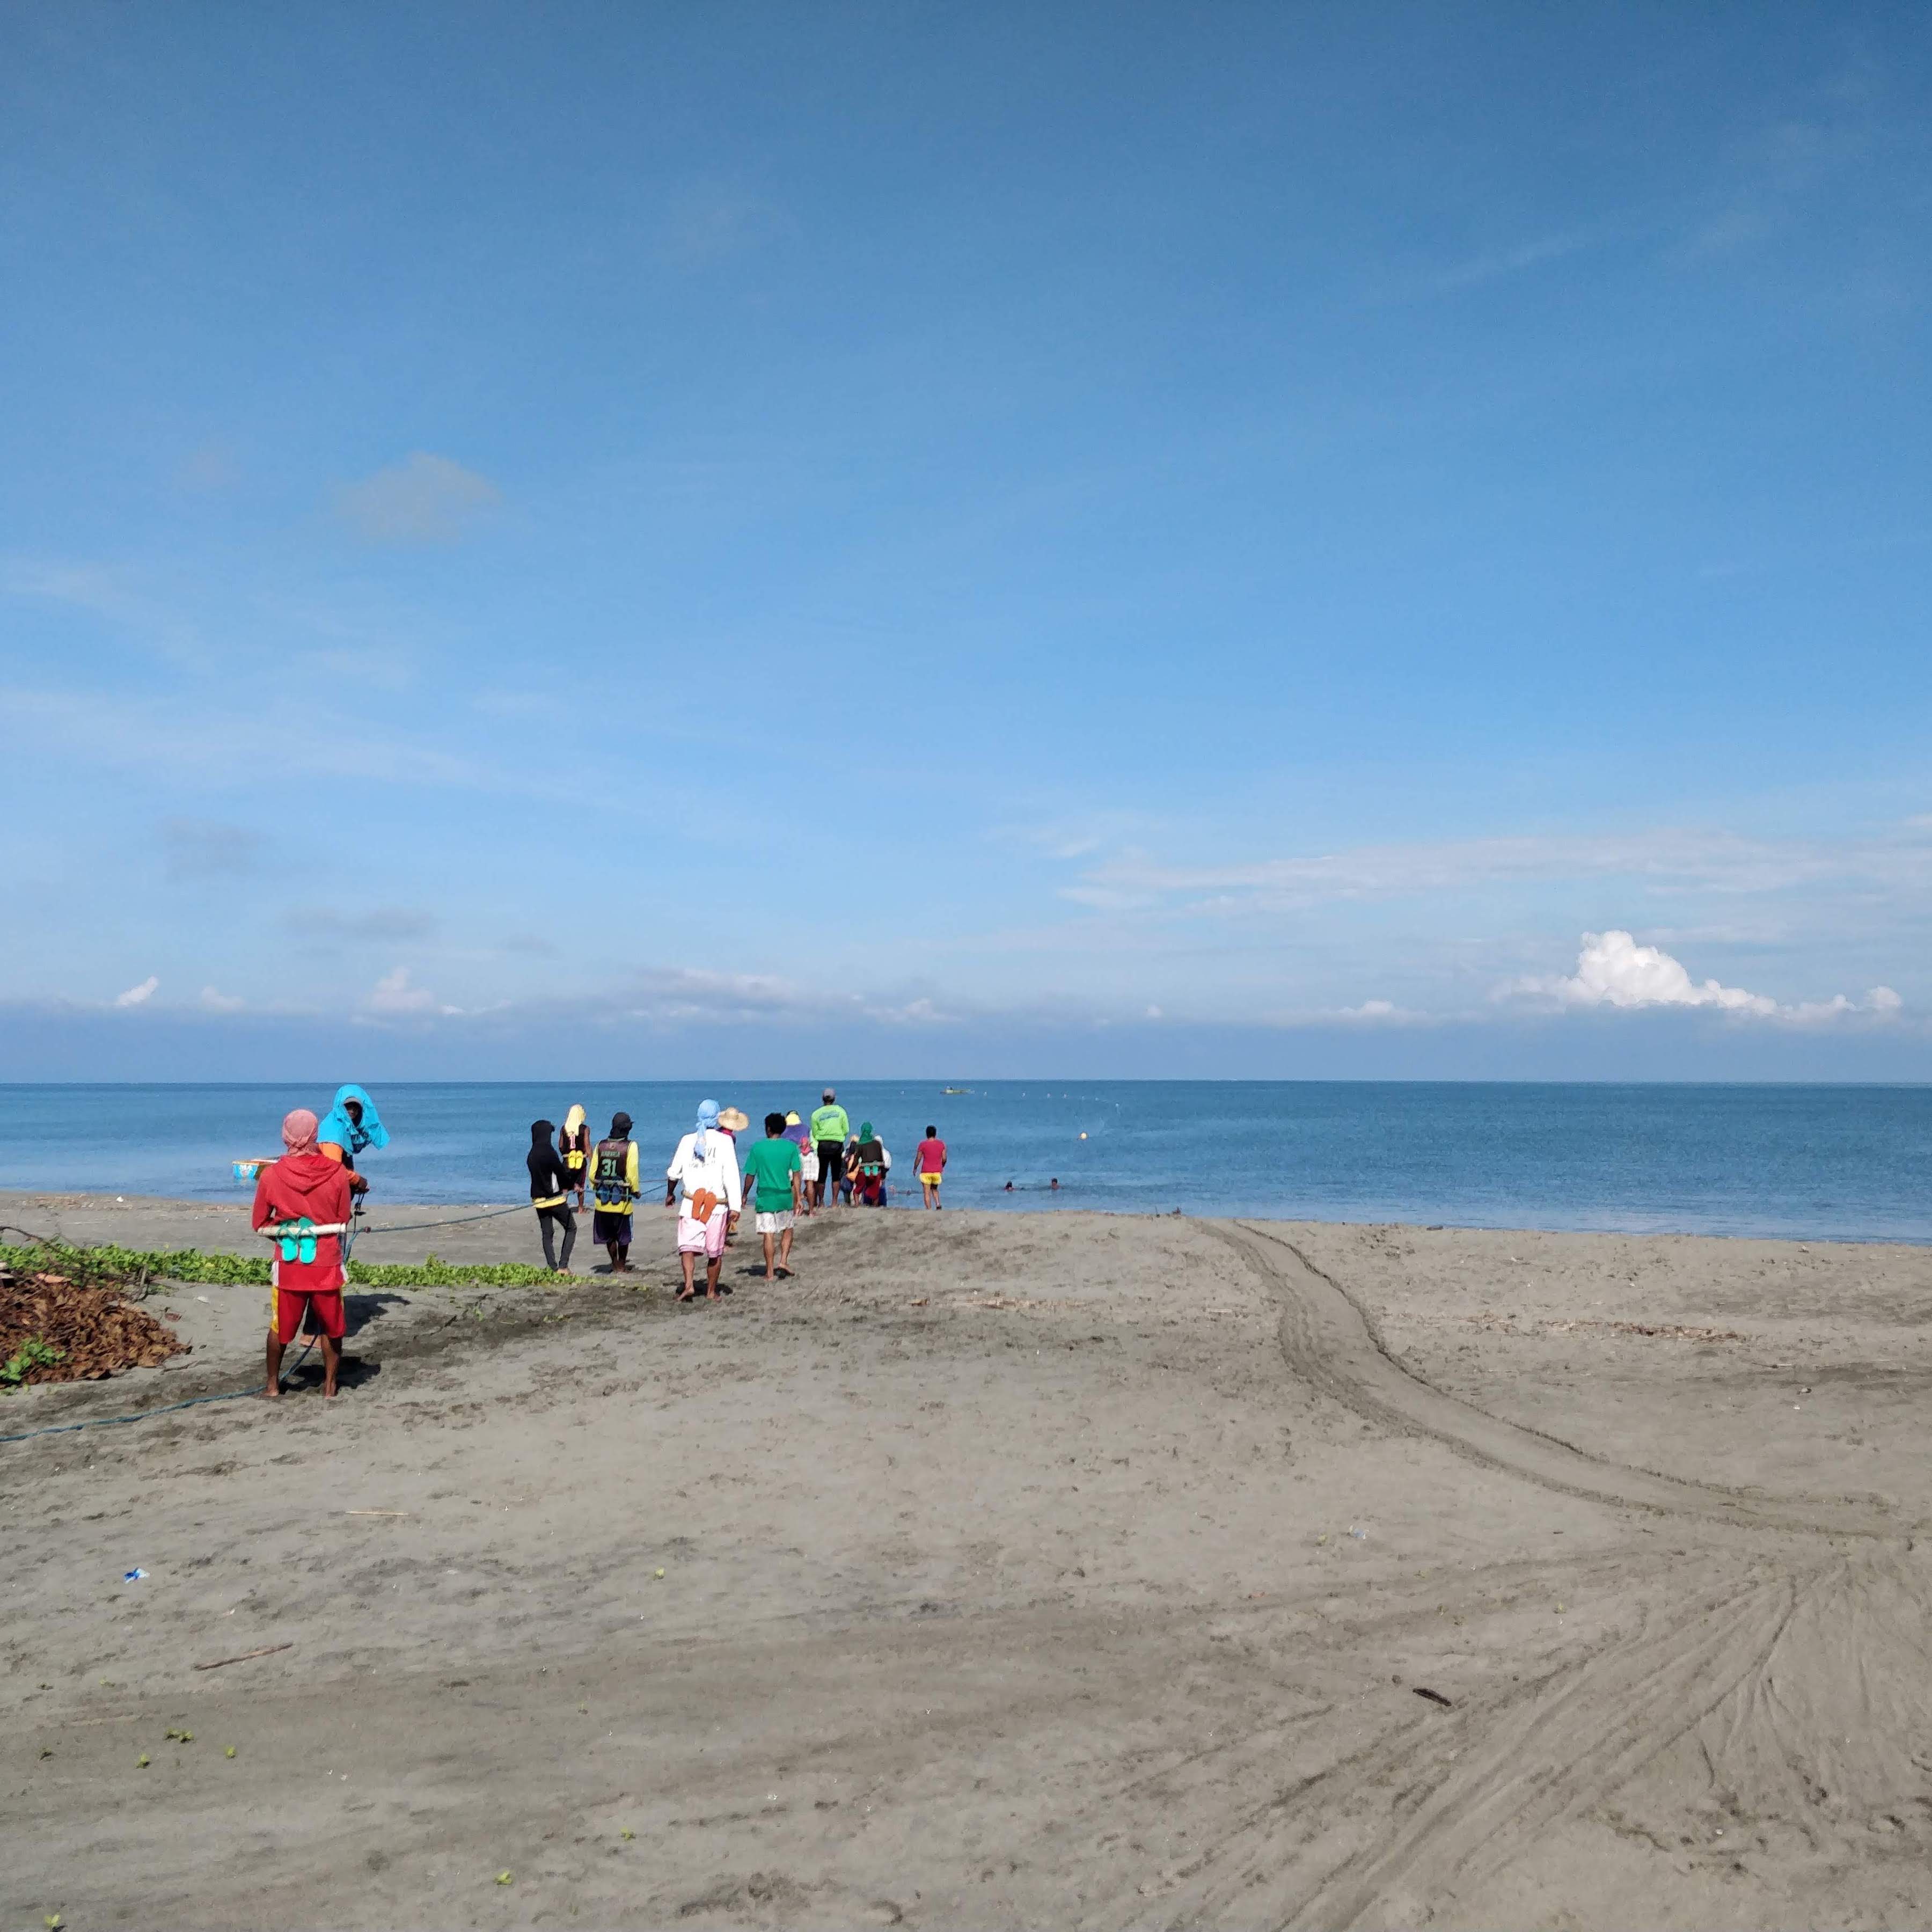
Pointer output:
1052, 1569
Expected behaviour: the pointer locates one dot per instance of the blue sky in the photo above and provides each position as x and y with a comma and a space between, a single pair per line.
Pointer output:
915, 539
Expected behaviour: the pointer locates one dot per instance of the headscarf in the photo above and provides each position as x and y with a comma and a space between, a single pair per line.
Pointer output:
864, 1132
707, 1118
573, 1122
298, 1131
540, 1133
339, 1130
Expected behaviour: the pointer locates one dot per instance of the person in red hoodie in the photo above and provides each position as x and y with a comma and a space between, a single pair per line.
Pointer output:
304, 1186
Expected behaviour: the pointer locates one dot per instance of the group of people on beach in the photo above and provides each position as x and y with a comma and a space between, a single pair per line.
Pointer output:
305, 1202
798, 1167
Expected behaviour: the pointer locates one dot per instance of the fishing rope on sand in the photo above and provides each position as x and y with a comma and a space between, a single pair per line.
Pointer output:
166, 1408
457, 1221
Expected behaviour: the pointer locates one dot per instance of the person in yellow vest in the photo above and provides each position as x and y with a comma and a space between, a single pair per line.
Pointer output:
614, 1180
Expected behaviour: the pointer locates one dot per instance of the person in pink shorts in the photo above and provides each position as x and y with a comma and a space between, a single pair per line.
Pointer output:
706, 1168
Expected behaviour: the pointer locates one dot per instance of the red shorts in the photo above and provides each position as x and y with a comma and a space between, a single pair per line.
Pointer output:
290, 1303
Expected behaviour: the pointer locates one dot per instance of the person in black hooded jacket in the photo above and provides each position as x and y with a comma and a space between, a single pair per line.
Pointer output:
549, 1189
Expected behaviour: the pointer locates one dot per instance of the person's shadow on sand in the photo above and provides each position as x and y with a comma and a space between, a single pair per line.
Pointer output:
359, 1310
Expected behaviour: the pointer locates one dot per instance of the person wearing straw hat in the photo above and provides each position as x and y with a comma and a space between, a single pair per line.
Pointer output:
732, 1120
800, 1135
706, 1168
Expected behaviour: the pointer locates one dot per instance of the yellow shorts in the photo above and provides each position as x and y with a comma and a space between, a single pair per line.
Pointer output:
929, 1180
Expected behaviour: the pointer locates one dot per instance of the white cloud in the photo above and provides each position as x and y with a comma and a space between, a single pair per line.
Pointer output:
214, 1001
423, 500
393, 996
1881, 1002
1381, 1013
1612, 970
138, 996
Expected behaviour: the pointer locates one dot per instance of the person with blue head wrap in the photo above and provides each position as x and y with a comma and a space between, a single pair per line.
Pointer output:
350, 1125
706, 1168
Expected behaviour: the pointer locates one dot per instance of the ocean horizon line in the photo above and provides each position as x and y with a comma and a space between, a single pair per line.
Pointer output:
986, 1080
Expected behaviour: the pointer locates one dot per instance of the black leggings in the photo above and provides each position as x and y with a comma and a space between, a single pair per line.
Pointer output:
545, 1216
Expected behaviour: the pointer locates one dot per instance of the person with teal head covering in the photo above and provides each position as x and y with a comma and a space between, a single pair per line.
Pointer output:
870, 1164
352, 1125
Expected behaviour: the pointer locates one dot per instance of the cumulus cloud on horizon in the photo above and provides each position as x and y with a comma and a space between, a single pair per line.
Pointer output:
393, 996
1380, 1012
1612, 970
138, 996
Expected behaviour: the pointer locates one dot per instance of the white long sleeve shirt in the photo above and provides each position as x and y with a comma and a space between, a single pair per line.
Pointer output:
717, 1170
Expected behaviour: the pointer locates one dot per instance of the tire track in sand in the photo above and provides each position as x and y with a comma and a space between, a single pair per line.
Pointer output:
1745, 1697
1328, 1342
1793, 1700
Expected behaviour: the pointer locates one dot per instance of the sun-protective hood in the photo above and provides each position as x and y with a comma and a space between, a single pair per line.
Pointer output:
339, 1130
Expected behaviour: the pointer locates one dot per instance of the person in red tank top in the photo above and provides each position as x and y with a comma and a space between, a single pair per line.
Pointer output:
304, 1185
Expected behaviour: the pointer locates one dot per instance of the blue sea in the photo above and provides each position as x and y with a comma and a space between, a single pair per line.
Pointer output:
1845, 1163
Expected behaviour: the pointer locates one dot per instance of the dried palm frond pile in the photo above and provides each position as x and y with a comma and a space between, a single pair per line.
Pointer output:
61, 1323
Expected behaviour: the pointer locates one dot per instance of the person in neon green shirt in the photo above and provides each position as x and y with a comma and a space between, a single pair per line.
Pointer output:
830, 1129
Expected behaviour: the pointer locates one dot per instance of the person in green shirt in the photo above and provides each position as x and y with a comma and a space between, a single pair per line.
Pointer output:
774, 1167
830, 1130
